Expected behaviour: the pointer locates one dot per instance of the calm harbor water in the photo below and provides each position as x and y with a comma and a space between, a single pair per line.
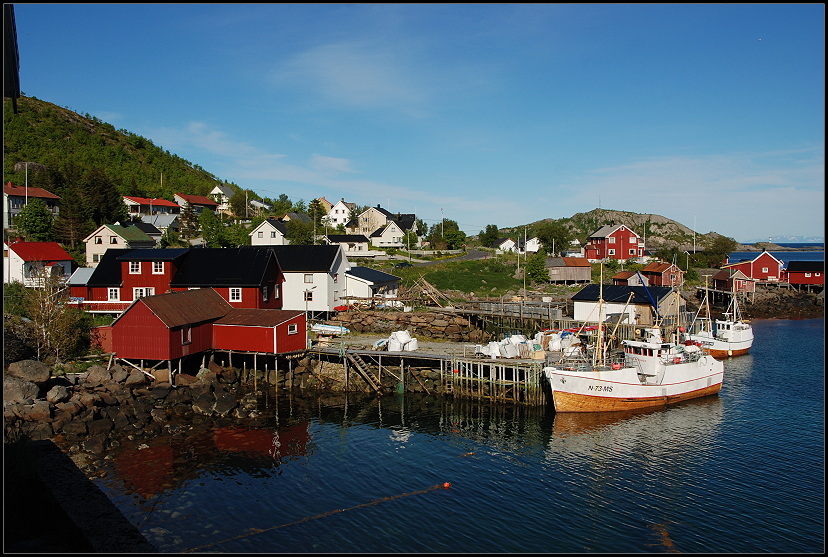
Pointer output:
739, 472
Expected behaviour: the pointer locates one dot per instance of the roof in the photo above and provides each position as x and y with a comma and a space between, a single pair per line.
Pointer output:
624, 275
238, 267
158, 202
161, 220
186, 308
273, 222
40, 251
169, 254
302, 217
345, 238
22, 191
567, 262
743, 261
806, 266
225, 190
130, 233
659, 267
197, 199
620, 293
371, 275
608, 229
317, 259
81, 276
108, 271
147, 228
258, 317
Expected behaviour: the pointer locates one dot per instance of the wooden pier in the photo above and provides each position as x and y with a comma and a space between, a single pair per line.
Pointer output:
515, 381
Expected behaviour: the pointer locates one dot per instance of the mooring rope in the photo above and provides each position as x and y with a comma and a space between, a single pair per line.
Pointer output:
255, 531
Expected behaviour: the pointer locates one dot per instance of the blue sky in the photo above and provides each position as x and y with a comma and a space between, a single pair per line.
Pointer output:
711, 115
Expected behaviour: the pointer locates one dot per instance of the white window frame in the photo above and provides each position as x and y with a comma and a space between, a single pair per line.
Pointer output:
235, 295
293, 328
134, 267
264, 293
113, 295
611, 251
142, 292
308, 278
157, 267
261, 234
113, 239
186, 335
611, 240
308, 295
764, 269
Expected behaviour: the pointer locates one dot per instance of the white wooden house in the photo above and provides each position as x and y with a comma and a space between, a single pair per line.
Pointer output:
28, 262
314, 276
270, 232
114, 236
340, 213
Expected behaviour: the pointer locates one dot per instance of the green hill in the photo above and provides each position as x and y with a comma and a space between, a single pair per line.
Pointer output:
66, 146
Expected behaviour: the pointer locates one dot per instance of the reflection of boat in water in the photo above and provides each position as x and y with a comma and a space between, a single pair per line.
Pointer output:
731, 336
644, 433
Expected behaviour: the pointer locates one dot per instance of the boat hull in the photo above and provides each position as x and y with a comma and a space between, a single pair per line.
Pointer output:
724, 353
575, 402
723, 349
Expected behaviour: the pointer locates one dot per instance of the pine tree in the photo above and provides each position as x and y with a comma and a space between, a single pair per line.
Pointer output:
189, 225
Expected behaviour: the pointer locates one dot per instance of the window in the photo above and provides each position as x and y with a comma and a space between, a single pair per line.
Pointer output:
293, 328
764, 269
134, 267
610, 252
142, 292
186, 334
114, 295
611, 240
632, 252
273, 234
235, 295
113, 239
95, 257
261, 234
309, 278
264, 293
157, 267
98, 240
308, 295
336, 278
807, 274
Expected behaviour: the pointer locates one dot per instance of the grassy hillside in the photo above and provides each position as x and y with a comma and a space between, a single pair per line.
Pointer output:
67, 146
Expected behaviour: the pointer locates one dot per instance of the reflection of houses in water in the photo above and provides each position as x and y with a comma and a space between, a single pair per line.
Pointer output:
153, 470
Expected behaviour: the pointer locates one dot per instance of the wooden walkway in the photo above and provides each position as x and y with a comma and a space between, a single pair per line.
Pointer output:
516, 381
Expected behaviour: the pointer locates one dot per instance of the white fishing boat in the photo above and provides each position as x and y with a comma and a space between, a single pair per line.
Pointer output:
649, 372
723, 338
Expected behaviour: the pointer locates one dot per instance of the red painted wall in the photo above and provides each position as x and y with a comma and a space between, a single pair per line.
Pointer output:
243, 338
753, 269
800, 278
139, 334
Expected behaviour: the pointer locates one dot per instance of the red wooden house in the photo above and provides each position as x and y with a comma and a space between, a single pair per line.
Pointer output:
613, 242
733, 280
170, 327
273, 331
245, 278
663, 274
807, 274
764, 267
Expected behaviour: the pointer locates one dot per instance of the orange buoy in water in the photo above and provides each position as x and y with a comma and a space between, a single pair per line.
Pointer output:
446, 485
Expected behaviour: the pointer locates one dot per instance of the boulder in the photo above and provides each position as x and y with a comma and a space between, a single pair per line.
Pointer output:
119, 374
98, 374
100, 427
16, 389
30, 370
136, 378
225, 403
58, 393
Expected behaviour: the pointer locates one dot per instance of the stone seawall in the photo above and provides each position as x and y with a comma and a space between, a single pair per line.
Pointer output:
426, 324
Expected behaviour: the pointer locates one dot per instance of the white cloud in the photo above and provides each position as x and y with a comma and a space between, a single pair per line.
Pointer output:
355, 74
